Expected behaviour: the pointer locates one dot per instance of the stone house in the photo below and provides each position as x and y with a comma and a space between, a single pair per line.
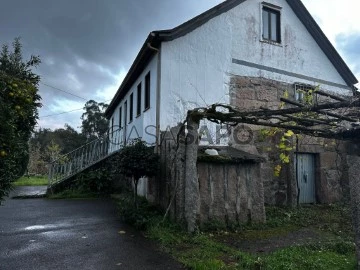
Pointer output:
246, 53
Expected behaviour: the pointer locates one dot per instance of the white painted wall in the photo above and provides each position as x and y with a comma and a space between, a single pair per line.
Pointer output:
195, 68
141, 125
298, 52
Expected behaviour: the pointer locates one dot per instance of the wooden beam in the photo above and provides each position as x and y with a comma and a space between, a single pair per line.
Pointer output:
322, 93
292, 102
326, 133
336, 105
282, 118
314, 121
338, 116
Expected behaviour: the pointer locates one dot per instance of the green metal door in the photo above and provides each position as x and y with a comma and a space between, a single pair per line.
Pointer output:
305, 172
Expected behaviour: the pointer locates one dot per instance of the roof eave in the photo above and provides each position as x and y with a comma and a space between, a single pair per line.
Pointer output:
143, 55
157, 37
192, 24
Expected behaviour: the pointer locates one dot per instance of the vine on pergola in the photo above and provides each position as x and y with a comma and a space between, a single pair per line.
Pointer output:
334, 118
338, 119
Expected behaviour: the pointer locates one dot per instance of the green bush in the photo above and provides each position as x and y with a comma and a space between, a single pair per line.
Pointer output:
136, 160
97, 180
141, 217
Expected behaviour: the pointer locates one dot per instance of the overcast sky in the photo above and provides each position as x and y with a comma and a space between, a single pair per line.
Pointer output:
86, 47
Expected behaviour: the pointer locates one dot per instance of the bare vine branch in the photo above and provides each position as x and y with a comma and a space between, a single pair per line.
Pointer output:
318, 120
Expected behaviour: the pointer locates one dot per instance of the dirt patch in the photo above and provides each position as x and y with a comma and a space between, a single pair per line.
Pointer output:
267, 241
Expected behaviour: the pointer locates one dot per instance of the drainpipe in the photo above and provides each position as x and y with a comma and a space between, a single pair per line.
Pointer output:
157, 95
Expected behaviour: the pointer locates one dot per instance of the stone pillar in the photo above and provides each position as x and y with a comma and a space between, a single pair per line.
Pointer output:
192, 194
354, 183
178, 172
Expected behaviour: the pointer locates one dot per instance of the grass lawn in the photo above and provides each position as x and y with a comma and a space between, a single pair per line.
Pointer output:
315, 237
31, 181
73, 194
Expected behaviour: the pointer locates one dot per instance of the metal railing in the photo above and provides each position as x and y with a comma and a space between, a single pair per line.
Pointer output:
84, 157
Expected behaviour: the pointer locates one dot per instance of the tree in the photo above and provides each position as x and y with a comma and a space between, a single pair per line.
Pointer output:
53, 151
43, 143
137, 160
94, 123
67, 138
36, 164
19, 103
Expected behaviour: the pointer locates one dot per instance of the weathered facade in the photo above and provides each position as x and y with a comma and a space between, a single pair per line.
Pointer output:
192, 65
328, 158
246, 53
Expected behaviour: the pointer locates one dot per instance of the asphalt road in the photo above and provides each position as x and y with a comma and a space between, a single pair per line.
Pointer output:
72, 234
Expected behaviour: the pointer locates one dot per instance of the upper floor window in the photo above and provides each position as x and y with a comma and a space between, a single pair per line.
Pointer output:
138, 108
271, 24
147, 92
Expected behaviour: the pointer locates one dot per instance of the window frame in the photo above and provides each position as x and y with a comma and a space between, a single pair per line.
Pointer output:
298, 96
112, 127
120, 117
138, 98
131, 107
271, 9
147, 92
125, 112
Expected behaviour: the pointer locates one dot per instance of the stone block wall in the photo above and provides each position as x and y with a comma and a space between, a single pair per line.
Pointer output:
249, 93
231, 193
228, 193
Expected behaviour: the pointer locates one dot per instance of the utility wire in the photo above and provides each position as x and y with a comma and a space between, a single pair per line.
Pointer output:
50, 115
67, 92
43, 104
56, 88
60, 113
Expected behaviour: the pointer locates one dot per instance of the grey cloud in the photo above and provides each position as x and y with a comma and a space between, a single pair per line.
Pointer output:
90, 40
349, 46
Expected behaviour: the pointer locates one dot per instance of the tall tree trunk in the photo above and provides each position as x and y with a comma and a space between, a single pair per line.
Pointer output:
354, 173
192, 196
